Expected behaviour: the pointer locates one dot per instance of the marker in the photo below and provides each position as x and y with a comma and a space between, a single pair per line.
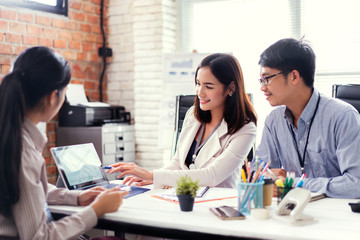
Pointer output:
107, 167
279, 183
300, 183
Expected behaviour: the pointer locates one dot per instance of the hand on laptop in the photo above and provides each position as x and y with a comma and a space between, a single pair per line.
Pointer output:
108, 201
131, 169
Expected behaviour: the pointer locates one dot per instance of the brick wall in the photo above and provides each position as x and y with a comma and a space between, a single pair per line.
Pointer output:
76, 37
140, 32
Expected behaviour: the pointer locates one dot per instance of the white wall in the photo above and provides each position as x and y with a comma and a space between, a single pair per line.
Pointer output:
140, 32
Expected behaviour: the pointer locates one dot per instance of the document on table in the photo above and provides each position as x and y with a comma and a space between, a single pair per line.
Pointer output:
204, 194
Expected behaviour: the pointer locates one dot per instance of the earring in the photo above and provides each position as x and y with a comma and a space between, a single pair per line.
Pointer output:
230, 94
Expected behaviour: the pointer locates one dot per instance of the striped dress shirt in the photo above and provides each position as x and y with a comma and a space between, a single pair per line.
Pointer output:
30, 216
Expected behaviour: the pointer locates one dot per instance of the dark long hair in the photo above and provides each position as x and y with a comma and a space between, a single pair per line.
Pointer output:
238, 108
37, 72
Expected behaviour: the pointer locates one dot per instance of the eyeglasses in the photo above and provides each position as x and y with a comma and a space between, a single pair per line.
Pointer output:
265, 80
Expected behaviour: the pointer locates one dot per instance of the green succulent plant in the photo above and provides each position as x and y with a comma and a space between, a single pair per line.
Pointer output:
186, 186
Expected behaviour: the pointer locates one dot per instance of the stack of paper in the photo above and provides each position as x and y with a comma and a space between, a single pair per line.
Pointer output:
75, 95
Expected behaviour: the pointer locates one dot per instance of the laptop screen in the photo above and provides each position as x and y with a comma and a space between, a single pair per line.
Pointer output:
79, 166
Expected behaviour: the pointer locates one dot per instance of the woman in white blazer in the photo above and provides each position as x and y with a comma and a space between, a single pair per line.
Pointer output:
217, 134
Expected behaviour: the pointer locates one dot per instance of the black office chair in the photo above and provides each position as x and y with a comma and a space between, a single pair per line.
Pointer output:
349, 93
183, 103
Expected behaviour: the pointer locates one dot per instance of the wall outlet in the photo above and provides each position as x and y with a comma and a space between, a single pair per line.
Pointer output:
105, 51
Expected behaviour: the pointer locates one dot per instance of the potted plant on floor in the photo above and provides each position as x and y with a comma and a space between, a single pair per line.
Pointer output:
186, 192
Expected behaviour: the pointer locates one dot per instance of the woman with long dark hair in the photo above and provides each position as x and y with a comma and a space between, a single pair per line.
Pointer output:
31, 93
217, 134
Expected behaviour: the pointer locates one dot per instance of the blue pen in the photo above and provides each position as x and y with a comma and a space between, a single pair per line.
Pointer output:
107, 167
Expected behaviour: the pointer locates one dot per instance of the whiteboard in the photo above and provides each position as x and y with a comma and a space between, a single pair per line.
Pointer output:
178, 78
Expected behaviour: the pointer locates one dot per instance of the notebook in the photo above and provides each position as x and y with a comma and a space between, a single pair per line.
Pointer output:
80, 168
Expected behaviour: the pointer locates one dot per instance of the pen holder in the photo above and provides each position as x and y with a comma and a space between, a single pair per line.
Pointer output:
250, 195
281, 193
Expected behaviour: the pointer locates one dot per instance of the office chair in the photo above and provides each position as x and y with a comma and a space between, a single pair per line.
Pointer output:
349, 93
183, 103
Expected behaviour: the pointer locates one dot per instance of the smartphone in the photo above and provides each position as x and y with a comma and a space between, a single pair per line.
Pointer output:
227, 213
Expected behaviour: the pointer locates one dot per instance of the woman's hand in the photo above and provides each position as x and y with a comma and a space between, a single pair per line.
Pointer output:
135, 181
108, 201
131, 169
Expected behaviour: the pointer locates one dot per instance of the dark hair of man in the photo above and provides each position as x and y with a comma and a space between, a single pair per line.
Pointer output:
238, 108
37, 72
290, 54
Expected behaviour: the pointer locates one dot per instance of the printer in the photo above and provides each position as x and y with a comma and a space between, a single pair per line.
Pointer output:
77, 111
80, 115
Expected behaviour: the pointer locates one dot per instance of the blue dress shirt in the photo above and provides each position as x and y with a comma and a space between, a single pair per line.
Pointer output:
332, 161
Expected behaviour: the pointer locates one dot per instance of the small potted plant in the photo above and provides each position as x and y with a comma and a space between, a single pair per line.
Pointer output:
186, 192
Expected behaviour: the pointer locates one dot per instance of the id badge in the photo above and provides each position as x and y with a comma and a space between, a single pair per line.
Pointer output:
48, 214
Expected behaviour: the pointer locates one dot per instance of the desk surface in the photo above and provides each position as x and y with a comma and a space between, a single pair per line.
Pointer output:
147, 215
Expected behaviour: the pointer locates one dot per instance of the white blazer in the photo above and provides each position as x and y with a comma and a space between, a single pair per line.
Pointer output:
218, 161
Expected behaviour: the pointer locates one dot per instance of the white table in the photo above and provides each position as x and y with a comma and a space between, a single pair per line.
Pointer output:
145, 214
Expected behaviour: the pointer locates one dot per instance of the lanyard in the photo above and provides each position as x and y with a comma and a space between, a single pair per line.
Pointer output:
198, 145
302, 159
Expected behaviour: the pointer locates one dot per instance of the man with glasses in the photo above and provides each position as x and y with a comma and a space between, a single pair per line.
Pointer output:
308, 132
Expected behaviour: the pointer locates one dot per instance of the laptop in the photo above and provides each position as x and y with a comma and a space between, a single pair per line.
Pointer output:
80, 168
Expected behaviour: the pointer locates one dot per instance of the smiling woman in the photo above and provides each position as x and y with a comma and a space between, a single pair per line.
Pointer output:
217, 133
53, 6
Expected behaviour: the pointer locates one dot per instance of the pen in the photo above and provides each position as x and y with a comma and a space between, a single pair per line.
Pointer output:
248, 172
265, 168
204, 191
107, 167
272, 174
257, 173
251, 176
